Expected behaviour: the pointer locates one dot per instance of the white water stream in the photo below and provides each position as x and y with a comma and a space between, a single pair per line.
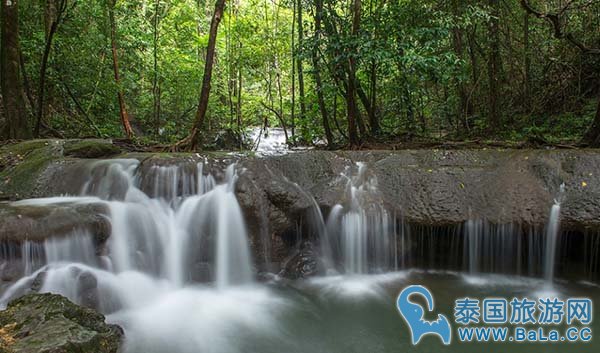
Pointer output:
177, 273
189, 231
360, 230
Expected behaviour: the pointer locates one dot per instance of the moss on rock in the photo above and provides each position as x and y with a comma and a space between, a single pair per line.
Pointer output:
22, 164
90, 149
44, 323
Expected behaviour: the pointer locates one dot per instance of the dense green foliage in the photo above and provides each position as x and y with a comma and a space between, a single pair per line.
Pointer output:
424, 68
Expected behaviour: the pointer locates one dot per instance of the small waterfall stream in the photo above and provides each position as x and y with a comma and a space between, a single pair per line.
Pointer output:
552, 233
188, 221
177, 273
360, 229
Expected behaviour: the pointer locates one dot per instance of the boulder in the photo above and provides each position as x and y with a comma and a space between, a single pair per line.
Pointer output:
50, 323
92, 148
19, 222
22, 167
277, 193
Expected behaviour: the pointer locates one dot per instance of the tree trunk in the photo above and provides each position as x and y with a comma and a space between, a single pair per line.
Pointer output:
352, 109
366, 102
12, 91
317, 73
238, 105
299, 62
277, 67
494, 66
592, 136
373, 117
53, 17
113, 42
155, 83
293, 108
26, 85
208, 66
373, 112
231, 84
464, 105
527, 57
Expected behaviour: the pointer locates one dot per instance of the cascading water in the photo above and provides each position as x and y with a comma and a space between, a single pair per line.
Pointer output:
176, 271
492, 247
360, 229
474, 234
177, 261
189, 225
552, 233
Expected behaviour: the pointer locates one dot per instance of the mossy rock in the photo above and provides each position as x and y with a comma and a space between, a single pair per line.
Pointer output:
22, 164
90, 149
50, 323
39, 223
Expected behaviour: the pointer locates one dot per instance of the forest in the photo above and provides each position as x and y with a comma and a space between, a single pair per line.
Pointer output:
341, 74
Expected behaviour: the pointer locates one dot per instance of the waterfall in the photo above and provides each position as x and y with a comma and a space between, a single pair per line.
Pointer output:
37, 258
170, 228
551, 240
359, 230
268, 141
474, 239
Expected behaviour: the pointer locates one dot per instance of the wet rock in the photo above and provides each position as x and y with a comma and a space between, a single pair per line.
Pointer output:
19, 222
90, 149
87, 287
10, 269
226, 140
22, 167
303, 263
427, 187
38, 282
50, 323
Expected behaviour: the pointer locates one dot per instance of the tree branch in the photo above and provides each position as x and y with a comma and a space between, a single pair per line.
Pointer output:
559, 31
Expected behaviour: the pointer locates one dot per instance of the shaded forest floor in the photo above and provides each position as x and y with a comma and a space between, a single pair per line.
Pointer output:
125, 145
467, 144
559, 131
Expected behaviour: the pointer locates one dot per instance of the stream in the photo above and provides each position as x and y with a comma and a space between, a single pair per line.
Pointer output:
178, 273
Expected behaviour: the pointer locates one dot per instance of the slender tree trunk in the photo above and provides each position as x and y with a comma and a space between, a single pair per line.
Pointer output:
373, 116
277, 67
342, 74
592, 136
26, 84
113, 43
352, 109
201, 9
494, 66
238, 107
373, 112
208, 66
335, 119
42, 83
317, 72
12, 90
527, 59
299, 62
464, 104
293, 109
155, 83
231, 84
366, 102
474, 60
53, 18
280, 108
